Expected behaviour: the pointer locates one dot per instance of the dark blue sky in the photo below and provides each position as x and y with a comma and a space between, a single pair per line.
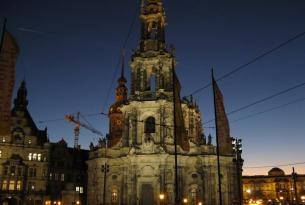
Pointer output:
70, 51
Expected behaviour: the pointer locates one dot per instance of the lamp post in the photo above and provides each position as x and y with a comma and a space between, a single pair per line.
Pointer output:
161, 197
185, 200
105, 169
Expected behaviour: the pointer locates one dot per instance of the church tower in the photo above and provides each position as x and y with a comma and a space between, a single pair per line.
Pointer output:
115, 114
139, 163
152, 63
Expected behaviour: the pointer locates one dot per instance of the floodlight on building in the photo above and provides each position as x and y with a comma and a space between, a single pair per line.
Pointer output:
77, 202
248, 191
199, 203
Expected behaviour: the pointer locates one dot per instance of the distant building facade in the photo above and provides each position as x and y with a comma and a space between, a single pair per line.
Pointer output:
138, 164
274, 188
34, 171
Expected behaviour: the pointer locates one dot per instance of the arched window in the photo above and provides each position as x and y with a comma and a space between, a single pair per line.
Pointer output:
150, 125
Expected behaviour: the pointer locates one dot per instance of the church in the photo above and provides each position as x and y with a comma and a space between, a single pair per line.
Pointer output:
136, 164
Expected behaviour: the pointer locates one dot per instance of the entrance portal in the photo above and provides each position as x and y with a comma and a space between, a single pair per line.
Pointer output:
147, 194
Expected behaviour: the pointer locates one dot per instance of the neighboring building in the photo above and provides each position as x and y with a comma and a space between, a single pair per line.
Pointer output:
276, 187
35, 171
138, 164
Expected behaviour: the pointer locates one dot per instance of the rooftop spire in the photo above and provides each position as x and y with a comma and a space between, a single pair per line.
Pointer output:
21, 100
122, 79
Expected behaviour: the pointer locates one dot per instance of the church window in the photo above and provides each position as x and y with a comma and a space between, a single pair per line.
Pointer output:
11, 185
154, 30
150, 125
4, 185
152, 83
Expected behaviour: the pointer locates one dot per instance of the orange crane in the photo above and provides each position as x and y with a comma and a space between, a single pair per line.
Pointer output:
78, 124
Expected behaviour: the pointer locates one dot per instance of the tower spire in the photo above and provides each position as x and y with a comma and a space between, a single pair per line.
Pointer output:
21, 100
123, 62
121, 90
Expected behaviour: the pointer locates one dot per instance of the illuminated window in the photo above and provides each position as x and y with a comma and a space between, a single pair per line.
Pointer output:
34, 156
31, 186
39, 157
4, 185
18, 187
30, 156
114, 195
55, 176
79, 189
0, 153
62, 177
3, 139
11, 185
30, 141
51, 176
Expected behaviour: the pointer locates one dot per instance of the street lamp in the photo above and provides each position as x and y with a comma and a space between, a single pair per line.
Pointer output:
199, 203
161, 197
185, 200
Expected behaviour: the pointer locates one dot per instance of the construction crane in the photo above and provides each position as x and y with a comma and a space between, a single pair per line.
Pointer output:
78, 124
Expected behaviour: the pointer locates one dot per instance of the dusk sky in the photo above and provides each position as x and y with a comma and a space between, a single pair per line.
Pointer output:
69, 53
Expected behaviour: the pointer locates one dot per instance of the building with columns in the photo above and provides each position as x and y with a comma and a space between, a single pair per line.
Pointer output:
138, 164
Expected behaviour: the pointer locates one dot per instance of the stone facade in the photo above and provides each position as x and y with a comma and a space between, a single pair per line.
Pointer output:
274, 188
138, 165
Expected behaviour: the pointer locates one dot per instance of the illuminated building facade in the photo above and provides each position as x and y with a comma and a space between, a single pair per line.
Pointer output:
137, 166
34, 171
274, 188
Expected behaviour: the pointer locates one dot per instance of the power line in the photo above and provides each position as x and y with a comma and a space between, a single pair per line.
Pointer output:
278, 165
119, 60
262, 100
268, 110
235, 70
